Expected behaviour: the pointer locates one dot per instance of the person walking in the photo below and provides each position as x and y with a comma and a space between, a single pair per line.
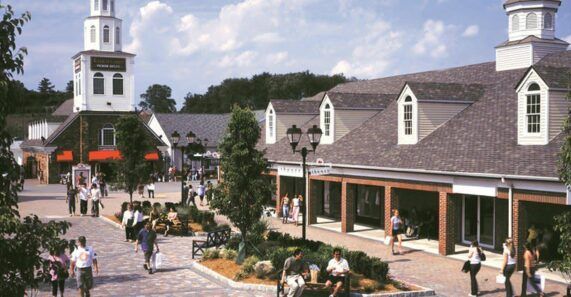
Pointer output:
103, 187
508, 265
151, 189
295, 269
58, 270
83, 197
201, 191
396, 231
141, 190
138, 217
285, 208
191, 195
295, 208
128, 223
147, 238
529, 263
475, 257
71, 199
95, 199
84, 259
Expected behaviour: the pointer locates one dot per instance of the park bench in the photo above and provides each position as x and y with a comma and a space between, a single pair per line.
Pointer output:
281, 287
215, 239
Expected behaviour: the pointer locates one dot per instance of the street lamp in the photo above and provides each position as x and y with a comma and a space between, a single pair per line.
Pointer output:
175, 137
294, 136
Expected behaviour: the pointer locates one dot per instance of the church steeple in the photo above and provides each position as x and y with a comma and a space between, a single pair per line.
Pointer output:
102, 30
103, 8
531, 27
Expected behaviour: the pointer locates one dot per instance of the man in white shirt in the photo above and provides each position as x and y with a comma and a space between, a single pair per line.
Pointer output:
83, 196
337, 269
95, 196
83, 257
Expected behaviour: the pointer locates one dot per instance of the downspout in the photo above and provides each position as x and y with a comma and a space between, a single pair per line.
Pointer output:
510, 208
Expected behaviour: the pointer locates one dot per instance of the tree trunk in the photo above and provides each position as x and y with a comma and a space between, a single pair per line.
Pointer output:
241, 249
131, 197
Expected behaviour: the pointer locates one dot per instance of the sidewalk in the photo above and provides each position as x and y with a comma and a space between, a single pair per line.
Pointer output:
418, 267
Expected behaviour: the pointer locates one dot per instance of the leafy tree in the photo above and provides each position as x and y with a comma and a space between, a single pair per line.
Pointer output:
132, 142
158, 99
243, 191
565, 155
69, 88
23, 241
46, 86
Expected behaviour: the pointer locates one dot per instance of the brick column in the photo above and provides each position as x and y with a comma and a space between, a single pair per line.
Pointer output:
347, 209
313, 199
391, 202
278, 197
519, 231
446, 223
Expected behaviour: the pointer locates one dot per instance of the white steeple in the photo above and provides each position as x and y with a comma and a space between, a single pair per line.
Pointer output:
531, 33
102, 30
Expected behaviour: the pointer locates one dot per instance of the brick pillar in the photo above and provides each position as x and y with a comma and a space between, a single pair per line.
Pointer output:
278, 197
519, 231
313, 199
446, 223
347, 208
391, 202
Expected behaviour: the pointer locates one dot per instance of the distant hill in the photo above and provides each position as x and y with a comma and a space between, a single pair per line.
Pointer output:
257, 91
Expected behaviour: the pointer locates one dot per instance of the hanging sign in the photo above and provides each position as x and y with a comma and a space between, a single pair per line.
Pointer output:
77, 65
108, 64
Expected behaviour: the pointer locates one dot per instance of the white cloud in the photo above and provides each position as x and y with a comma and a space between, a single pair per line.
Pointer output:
277, 58
240, 60
471, 31
433, 41
568, 39
269, 37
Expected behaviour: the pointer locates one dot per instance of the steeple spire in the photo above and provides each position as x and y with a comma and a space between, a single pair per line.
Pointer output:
102, 30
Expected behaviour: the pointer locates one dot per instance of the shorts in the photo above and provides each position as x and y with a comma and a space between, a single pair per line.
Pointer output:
335, 279
84, 278
397, 232
148, 255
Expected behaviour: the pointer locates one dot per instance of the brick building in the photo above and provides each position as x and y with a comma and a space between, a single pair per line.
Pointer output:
469, 152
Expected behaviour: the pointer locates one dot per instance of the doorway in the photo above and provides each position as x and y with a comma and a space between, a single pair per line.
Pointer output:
478, 220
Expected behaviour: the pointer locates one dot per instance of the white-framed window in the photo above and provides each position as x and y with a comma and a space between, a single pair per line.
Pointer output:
548, 21
117, 35
117, 84
77, 84
105, 2
533, 109
106, 34
531, 21
407, 116
92, 34
515, 23
112, 5
107, 135
327, 120
98, 84
96, 4
271, 126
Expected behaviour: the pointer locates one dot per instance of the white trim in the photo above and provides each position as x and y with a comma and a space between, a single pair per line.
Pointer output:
402, 137
327, 139
271, 138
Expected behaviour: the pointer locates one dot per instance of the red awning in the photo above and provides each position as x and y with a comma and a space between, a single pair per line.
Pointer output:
152, 156
65, 156
104, 155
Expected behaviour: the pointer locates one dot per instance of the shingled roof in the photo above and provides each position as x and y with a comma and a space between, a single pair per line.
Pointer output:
348, 100
295, 106
481, 139
509, 2
64, 109
428, 91
211, 126
533, 38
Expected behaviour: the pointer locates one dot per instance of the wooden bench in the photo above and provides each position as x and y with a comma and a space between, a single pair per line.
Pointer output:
315, 286
215, 239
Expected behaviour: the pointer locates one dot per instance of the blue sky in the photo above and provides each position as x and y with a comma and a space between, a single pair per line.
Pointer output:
192, 44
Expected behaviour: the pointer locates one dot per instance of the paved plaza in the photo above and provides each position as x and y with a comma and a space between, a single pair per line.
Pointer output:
122, 273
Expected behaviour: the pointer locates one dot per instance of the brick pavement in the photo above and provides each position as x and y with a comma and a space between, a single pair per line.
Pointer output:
417, 267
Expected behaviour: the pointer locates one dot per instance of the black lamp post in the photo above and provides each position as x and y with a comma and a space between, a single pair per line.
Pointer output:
294, 136
175, 137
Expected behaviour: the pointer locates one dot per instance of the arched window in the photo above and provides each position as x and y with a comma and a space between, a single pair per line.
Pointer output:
92, 34
106, 34
533, 109
548, 21
407, 115
112, 5
117, 84
96, 5
515, 23
327, 120
105, 5
271, 123
117, 35
98, 84
531, 21
107, 135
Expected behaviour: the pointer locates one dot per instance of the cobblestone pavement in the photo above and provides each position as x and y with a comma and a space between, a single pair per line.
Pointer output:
121, 269
417, 267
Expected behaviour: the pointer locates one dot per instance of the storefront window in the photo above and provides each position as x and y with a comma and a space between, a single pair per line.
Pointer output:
368, 204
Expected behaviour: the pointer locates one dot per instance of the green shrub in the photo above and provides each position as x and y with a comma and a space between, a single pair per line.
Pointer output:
369, 288
358, 261
233, 242
228, 254
379, 270
278, 257
212, 253
257, 232
248, 265
240, 276
266, 247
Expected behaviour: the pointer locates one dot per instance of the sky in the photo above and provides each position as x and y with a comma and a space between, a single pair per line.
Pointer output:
190, 45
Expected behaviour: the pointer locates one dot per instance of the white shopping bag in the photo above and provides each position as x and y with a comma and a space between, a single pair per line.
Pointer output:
539, 278
157, 260
387, 240
500, 279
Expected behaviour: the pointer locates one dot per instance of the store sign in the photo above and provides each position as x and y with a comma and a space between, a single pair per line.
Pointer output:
108, 64
77, 65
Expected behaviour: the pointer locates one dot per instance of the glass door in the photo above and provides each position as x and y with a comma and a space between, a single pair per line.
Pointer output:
487, 221
478, 220
470, 220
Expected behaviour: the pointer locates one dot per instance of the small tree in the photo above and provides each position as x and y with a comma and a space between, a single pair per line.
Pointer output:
46, 87
243, 191
158, 99
22, 241
132, 143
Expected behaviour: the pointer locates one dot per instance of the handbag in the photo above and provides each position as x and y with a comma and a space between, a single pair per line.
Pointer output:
500, 279
538, 279
482, 255
466, 267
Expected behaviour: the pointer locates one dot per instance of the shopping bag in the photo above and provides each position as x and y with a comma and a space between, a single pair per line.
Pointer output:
466, 267
538, 279
157, 260
500, 279
387, 240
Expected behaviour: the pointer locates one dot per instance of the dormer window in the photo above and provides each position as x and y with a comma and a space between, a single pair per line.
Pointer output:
531, 21
515, 23
327, 120
271, 125
407, 113
548, 21
533, 109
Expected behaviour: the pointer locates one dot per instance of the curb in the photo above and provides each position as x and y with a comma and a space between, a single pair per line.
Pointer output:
231, 283
422, 292
109, 221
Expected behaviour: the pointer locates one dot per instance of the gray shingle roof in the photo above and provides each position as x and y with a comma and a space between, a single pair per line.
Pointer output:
295, 106
509, 2
555, 77
446, 92
532, 38
346, 100
103, 53
211, 126
316, 97
480, 139
64, 109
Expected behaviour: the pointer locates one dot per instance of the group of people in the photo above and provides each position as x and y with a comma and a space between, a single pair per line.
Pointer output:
291, 208
203, 191
296, 270
150, 189
132, 221
94, 193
